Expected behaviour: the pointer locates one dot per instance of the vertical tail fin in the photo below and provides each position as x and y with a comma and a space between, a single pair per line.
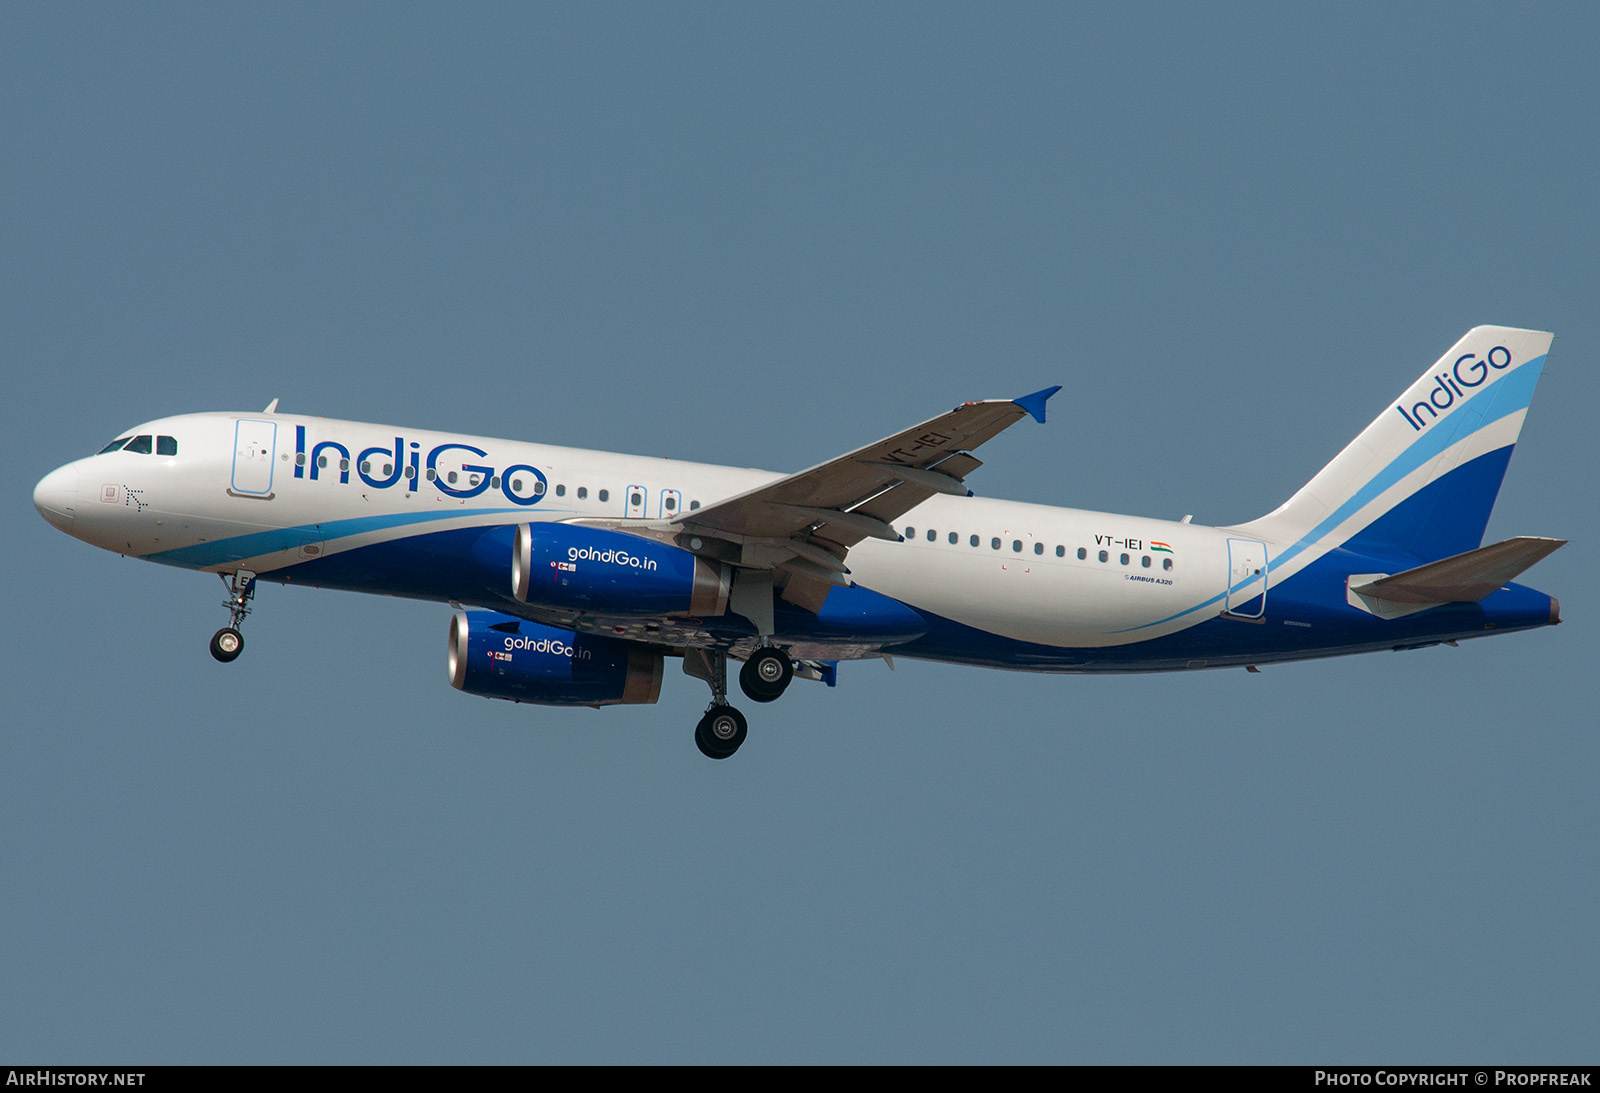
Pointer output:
1424, 475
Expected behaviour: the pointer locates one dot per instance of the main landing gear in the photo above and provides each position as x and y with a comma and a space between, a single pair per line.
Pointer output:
720, 731
723, 728
764, 677
228, 643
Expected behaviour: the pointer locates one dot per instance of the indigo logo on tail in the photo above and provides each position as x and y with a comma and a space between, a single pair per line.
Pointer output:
1455, 383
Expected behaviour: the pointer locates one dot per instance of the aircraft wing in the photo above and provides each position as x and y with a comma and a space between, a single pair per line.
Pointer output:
807, 522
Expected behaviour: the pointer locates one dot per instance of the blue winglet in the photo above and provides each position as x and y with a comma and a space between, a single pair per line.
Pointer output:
1034, 403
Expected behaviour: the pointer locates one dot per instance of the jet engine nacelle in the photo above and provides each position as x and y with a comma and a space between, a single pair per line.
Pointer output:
612, 573
498, 656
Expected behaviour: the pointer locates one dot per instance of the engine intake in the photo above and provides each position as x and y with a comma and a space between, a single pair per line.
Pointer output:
498, 656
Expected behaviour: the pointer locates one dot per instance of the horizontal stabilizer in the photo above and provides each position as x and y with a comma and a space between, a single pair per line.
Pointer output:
1464, 578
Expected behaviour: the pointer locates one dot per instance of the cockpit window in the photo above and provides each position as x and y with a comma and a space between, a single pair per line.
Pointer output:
114, 445
166, 445
139, 444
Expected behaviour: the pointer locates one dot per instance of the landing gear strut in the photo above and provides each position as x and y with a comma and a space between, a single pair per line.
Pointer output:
766, 675
723, 728
228, 643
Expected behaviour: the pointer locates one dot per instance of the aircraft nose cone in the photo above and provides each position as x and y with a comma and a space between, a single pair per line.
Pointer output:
56, 496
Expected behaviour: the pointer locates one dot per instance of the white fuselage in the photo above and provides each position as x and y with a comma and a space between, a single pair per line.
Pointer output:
268, 491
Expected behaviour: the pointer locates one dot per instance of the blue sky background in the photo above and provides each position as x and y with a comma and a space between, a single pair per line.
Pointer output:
763, 235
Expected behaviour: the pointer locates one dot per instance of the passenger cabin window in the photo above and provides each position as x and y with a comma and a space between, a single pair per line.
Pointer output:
1124, 559
932, 535
605, 495
1061, 552
1038, 548
994, 544
1016, 546
1145, 561
139, 444
1083, 554
973, 541
516, 484
954, 538
1166, 563
561, 490
114, 445
635, 499
671, 503
911, 532
583, 492
693, 505
1104, 557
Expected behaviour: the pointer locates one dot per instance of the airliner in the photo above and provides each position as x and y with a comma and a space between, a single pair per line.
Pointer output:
575, 575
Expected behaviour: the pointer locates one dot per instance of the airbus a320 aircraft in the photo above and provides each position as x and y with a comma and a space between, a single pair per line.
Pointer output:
576, 574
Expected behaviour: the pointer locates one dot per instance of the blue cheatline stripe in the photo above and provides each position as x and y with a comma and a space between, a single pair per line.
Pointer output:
1186, 611
1505, 397
268, 542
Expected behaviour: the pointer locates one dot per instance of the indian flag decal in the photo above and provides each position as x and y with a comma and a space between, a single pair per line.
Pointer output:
1164, 548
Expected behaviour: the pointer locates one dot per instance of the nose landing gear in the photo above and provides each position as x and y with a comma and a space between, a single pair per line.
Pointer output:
228, 643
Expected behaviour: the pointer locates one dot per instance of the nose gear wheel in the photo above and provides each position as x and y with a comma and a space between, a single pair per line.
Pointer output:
228, 643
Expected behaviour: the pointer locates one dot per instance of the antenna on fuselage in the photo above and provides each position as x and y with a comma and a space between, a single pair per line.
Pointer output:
272, 407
